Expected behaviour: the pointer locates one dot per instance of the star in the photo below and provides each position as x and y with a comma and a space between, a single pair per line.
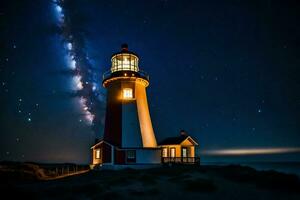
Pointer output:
29, 119
259, 110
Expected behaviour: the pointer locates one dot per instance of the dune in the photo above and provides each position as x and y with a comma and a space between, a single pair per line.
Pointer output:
186, 182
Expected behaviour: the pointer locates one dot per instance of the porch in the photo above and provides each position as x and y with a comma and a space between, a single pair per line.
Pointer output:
181, 160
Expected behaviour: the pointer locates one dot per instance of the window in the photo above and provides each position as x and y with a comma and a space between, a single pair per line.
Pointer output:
98, 153
173, 152
124, 62
131, 154
184, 152
165, 152
127, 93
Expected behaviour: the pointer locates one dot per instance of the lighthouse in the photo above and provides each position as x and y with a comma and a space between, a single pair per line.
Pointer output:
129, 139
128, 136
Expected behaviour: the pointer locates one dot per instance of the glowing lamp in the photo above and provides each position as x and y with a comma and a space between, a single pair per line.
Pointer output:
124, 60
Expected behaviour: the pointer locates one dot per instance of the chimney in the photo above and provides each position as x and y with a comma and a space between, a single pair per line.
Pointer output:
183, 132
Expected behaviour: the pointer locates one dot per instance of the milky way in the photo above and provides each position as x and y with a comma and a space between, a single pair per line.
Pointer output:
85, 80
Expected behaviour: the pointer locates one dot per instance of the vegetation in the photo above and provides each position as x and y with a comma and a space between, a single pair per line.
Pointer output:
199, 185
22, 181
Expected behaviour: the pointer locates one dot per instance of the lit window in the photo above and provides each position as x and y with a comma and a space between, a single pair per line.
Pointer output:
173, 152
124, 62
127, 93
98, 153
184, 152
165, 152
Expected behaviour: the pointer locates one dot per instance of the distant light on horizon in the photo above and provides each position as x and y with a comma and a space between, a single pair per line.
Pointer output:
252, 151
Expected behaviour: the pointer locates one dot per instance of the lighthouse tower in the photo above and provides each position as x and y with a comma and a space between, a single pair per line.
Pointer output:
127, 122
128, 133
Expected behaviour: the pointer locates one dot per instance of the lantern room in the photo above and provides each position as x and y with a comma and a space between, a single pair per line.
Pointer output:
124, 60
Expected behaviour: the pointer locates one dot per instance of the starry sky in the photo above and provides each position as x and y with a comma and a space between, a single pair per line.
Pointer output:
227, 72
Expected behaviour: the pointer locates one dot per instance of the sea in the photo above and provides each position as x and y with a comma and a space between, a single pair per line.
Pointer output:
285, 167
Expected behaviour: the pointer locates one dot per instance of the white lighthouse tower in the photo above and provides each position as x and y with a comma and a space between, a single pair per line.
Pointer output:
128, 133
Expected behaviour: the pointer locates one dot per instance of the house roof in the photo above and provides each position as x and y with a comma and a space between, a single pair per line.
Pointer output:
177, 140
98, 143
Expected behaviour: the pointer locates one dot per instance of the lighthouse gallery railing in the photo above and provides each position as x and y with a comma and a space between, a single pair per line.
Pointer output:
108, 74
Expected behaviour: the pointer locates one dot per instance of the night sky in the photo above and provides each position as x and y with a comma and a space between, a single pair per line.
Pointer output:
227, 72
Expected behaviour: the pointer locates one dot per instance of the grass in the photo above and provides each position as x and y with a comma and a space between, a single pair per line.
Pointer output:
147, 179
142, 183
146, 192
118, 181
179, 178
199, 185
68, 191
109, 195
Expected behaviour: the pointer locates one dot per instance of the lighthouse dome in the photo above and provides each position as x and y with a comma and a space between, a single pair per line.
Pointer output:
124, 60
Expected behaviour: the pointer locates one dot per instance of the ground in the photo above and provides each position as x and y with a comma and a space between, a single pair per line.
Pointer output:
179, 182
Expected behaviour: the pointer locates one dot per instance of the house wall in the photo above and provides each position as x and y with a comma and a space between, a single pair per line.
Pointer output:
148, 156
191, 150
120, 156
143, 156
177, 149
95, 161
105, 154
187, 142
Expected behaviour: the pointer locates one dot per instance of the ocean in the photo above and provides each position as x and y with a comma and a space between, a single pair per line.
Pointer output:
285, 167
